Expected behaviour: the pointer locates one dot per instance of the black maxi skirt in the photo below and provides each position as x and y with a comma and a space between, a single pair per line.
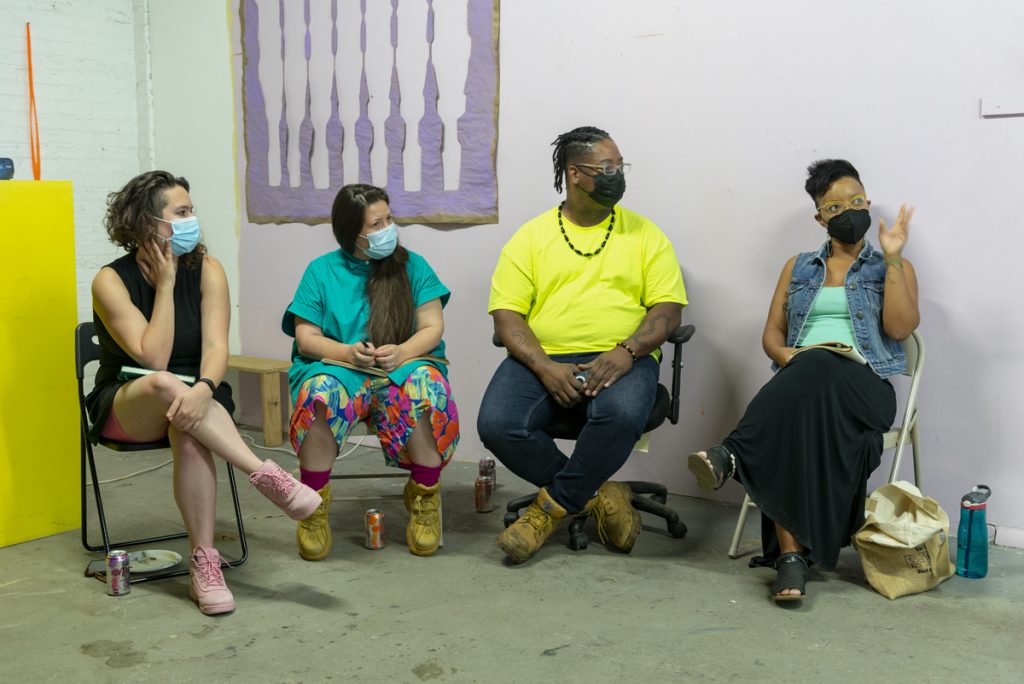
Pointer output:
806, 446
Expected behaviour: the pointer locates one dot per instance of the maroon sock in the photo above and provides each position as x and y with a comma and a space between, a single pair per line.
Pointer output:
314, 479
425, 475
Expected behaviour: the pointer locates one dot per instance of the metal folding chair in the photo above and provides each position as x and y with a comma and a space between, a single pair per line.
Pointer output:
87, 350
896, 438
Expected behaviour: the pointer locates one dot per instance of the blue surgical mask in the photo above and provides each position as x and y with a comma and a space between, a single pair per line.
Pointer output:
382, 242
184, 234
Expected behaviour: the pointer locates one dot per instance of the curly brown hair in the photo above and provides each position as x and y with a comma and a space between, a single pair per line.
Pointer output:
130, 211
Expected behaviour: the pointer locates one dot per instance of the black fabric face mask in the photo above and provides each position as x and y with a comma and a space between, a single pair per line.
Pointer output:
608, 190
850, 226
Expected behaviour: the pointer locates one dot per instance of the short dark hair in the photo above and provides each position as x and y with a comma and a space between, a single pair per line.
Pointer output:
572, 146
824, 172
132, 210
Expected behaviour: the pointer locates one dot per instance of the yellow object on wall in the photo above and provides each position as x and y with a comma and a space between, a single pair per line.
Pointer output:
39, 433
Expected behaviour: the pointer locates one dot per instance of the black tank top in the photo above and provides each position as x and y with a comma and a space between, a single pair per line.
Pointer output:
187, 351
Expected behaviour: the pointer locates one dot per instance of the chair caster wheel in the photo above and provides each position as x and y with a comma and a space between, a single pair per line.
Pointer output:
510, 518
677, 529
578, 542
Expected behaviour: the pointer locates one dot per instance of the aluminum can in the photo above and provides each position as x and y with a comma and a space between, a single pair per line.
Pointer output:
483, 487
488, 469
118, 577
374, 529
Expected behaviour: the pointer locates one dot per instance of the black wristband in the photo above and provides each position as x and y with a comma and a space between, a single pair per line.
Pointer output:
209, 383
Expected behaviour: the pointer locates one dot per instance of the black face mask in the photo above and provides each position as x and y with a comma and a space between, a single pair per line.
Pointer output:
608, 190
850, 226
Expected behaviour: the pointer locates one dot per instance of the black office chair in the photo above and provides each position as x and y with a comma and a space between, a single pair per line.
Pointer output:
87, 350
650, 497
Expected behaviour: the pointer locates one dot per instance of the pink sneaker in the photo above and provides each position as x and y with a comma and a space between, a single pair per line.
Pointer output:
287, 493
207, 586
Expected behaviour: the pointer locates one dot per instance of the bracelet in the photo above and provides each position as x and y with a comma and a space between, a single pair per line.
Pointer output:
208, 382
628, 348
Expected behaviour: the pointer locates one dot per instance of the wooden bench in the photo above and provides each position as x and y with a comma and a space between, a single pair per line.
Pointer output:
269, 371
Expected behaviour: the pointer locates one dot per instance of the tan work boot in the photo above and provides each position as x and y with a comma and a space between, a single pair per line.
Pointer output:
409, 494
525, 536
314, 533
423, 533
617, 521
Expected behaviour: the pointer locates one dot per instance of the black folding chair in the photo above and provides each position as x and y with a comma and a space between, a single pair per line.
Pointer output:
87, 350
650, 497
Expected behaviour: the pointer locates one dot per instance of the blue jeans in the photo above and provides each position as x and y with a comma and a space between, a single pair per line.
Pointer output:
516, 408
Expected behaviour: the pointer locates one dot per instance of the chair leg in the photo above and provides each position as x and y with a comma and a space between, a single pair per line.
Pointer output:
238, 519
578, 539
171, 572
740, 524
917, 450
651, 497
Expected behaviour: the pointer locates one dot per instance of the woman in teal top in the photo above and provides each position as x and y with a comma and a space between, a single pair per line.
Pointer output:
811, 437
367, 324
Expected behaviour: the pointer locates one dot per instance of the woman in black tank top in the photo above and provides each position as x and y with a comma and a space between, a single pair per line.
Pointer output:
164, 306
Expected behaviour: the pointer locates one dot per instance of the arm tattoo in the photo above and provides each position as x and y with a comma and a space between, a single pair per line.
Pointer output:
650, 328
520, 351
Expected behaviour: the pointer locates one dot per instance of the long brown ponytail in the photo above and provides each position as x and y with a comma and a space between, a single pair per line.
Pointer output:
388, 290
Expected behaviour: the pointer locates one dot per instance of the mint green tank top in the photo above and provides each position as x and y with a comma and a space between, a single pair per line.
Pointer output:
828, 320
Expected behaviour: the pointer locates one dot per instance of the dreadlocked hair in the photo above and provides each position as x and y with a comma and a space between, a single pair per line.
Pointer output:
572, 146
388, 290
132, 211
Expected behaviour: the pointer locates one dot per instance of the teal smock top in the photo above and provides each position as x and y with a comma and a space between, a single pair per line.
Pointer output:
332, 295
828, 319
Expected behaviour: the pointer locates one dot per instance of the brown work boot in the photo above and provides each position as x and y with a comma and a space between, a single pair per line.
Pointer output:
423, 533
314, 533
525, 536
617, 521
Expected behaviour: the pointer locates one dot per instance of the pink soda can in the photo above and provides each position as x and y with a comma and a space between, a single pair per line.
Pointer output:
119, 580
487, 469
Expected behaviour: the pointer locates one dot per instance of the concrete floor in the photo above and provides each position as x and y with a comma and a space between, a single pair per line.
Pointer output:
677, 610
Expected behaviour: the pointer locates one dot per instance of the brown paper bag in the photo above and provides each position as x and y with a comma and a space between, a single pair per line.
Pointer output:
903, 544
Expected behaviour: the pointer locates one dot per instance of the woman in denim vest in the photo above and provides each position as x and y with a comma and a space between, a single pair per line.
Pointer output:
811, 437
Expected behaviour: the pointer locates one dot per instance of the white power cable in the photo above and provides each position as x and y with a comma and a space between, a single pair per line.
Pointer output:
137, 472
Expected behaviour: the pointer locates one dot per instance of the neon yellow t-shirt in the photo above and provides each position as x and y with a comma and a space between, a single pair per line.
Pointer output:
576, 304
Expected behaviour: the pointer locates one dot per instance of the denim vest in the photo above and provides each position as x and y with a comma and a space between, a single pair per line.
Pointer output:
865, 292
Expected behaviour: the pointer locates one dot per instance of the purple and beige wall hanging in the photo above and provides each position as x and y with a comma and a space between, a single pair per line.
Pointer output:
397, 93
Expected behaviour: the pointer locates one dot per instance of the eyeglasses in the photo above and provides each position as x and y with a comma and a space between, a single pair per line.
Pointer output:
836, 208
608, 169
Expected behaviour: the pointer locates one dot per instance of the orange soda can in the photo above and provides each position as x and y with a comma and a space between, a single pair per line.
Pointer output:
374, 529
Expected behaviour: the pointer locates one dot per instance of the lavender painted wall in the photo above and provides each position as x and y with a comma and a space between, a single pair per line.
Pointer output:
720, 107
274, 194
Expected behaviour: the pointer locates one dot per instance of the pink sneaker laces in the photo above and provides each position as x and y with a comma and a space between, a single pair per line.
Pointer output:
278, 480
208, 568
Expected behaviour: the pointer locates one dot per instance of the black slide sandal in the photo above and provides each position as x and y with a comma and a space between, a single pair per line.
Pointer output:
792, 571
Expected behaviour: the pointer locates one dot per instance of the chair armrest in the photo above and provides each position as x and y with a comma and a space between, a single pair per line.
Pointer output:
682, 334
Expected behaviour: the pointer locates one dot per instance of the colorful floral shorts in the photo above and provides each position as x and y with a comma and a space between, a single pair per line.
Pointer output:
392, 411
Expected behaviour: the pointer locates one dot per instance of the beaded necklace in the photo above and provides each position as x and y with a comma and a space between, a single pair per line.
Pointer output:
611, 224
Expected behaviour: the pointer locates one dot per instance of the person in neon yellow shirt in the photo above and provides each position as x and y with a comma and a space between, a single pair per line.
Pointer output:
586, 289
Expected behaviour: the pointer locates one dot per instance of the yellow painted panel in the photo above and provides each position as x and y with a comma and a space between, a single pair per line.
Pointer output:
39, 443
